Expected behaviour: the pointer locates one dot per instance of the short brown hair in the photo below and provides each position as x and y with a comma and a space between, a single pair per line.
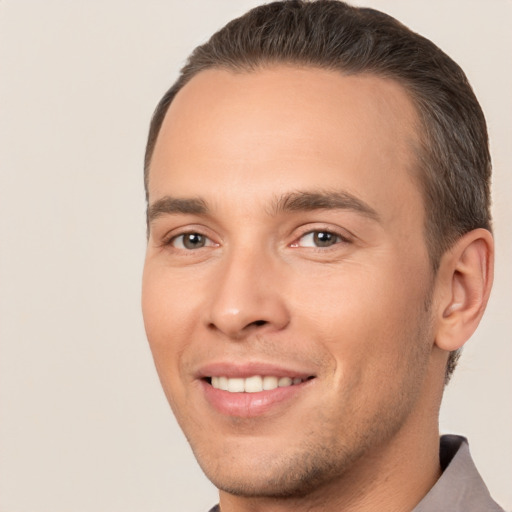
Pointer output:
454, 162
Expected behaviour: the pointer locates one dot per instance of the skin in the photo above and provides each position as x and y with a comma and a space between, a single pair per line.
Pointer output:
363, 315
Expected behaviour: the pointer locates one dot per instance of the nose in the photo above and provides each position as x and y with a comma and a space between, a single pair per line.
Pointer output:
248, 296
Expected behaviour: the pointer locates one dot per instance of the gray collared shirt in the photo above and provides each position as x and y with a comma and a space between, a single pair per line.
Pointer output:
460, 488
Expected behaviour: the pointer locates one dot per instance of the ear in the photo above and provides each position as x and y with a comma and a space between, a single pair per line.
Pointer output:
464, 282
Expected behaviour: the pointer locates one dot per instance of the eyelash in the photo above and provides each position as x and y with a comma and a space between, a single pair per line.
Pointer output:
170, 241
339, 238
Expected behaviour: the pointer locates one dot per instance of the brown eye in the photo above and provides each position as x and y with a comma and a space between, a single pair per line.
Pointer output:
190, 241
324, 238
319, 239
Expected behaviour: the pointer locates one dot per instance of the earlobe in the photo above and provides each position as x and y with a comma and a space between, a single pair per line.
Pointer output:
466, 272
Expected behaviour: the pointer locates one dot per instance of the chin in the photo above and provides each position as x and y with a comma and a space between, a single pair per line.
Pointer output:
277, 475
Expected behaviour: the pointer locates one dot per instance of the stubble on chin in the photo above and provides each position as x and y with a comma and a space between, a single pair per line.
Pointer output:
327, 452
322, 461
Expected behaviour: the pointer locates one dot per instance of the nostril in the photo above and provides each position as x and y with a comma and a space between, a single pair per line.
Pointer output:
258, 323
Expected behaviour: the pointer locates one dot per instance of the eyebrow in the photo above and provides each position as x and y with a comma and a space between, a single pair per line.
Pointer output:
175, 205
323, 200
289, 202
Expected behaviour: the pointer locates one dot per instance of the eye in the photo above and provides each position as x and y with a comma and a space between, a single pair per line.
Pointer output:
319, 239
190, 241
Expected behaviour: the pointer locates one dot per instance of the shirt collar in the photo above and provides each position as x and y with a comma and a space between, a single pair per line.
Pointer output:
460, 488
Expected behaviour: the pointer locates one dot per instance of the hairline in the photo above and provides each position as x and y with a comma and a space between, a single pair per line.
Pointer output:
419, 147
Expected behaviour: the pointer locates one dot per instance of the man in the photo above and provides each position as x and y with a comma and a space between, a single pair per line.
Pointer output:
319, 249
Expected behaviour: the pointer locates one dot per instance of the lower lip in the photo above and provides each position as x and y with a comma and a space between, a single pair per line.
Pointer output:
249, 405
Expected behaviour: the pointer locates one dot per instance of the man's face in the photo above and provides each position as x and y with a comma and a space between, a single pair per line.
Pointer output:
286, 249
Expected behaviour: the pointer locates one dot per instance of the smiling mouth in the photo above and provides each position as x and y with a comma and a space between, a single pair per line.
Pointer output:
253, 384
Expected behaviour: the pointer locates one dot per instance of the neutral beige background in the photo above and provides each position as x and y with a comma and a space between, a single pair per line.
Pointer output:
84, 426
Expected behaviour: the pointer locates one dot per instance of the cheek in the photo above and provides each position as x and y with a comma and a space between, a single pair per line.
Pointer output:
361, 315
167, 304
165, 310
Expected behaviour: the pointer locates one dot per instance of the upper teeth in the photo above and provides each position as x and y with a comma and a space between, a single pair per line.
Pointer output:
253, 384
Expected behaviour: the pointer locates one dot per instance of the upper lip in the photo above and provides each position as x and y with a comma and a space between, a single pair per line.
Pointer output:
248, 369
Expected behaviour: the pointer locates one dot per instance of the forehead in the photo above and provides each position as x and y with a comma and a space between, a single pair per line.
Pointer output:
282, 126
